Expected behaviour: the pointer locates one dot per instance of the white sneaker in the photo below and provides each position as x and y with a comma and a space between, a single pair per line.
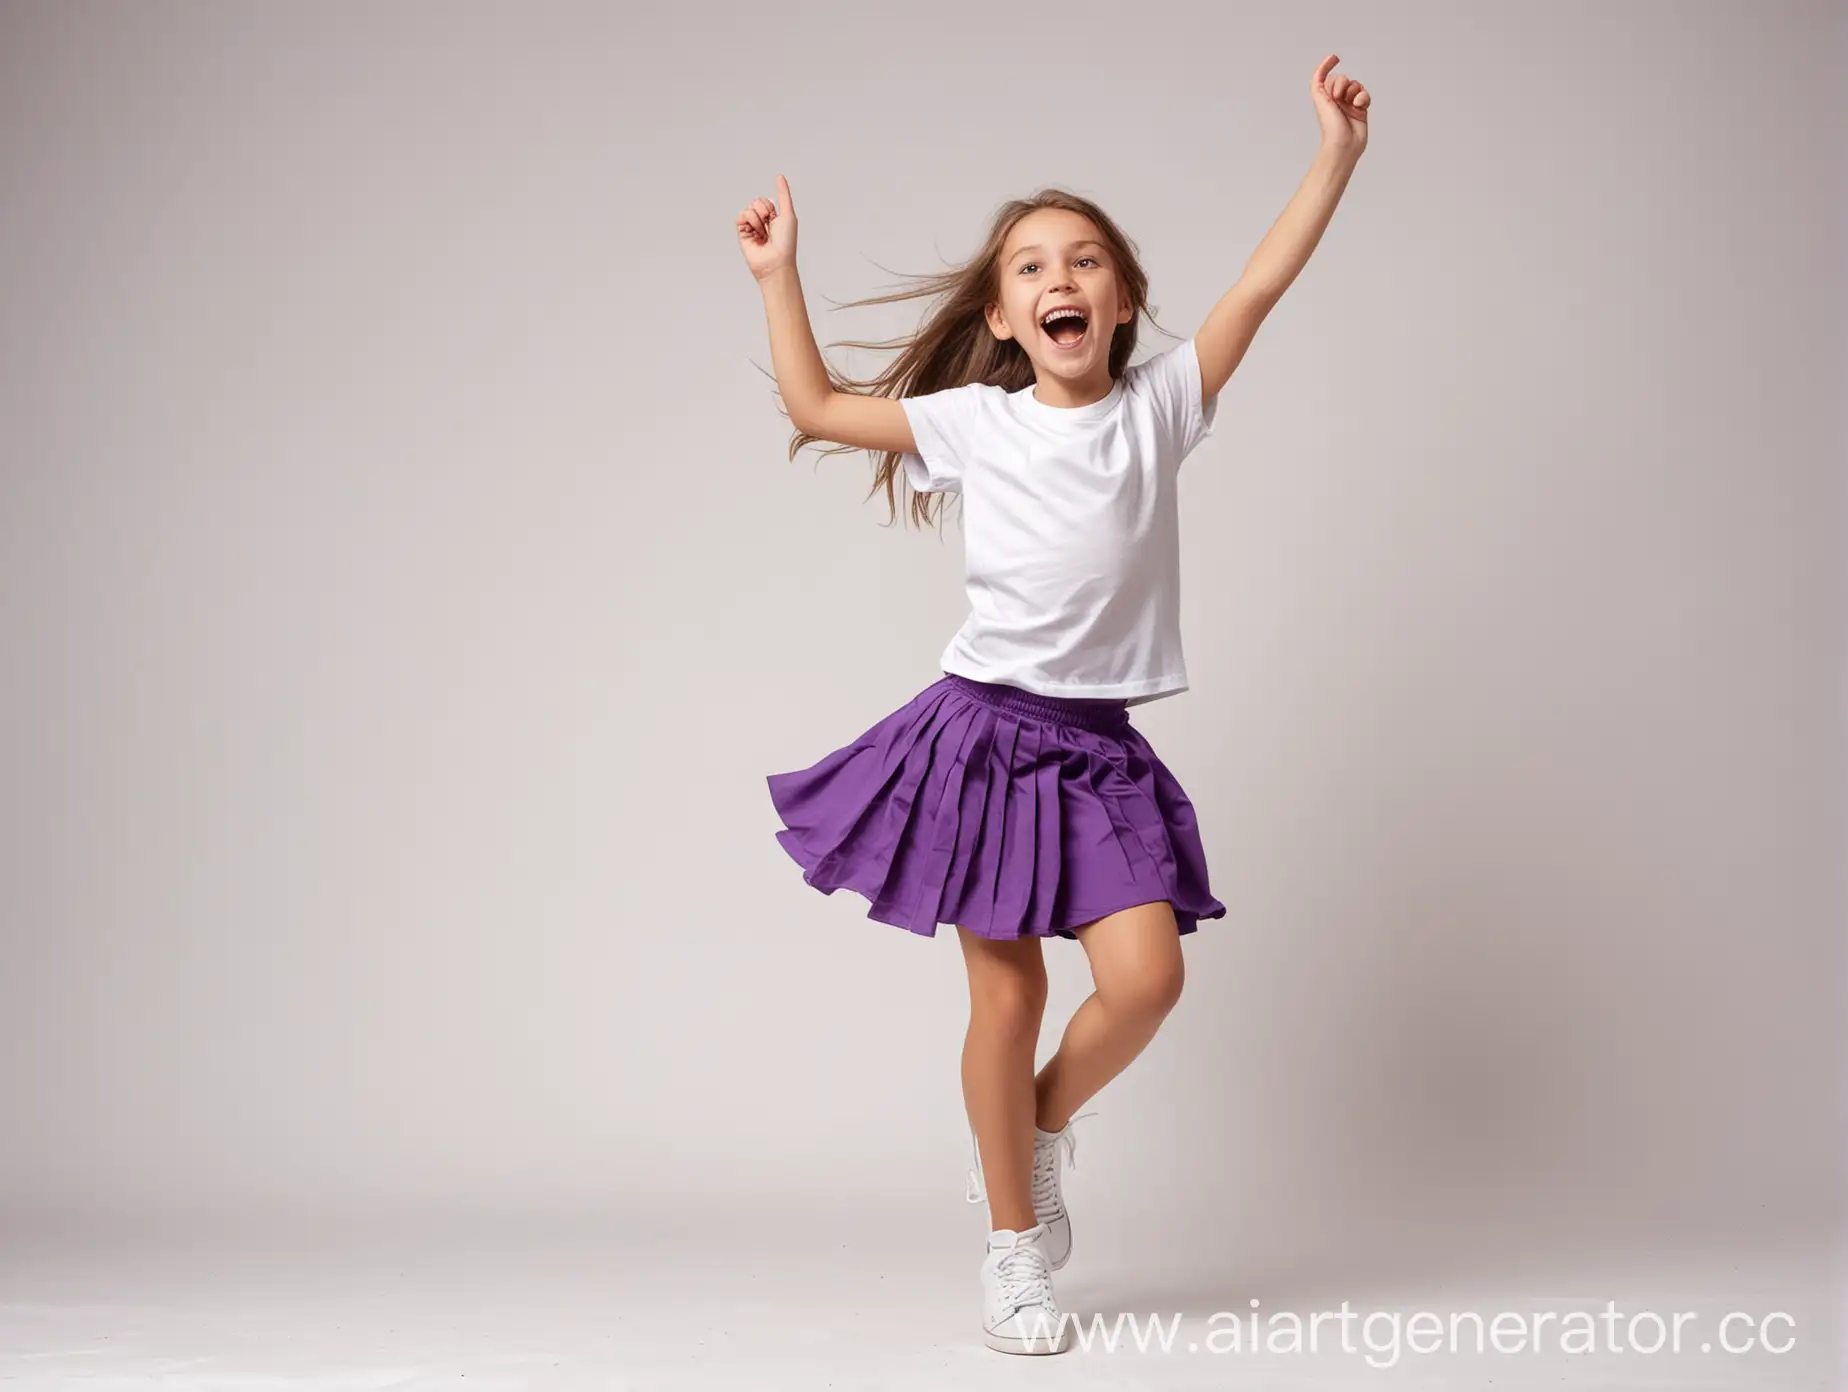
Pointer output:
1048, 1201
1019, 1314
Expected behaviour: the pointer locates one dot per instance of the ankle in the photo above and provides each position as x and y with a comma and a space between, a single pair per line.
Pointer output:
1018, 1222
1045, 1084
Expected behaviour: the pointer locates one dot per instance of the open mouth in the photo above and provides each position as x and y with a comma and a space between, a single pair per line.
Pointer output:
1065, 326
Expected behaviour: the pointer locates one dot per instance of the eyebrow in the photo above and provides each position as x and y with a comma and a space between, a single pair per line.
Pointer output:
1073, 246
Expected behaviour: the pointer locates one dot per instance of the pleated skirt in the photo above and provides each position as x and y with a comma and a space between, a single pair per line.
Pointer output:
999, 810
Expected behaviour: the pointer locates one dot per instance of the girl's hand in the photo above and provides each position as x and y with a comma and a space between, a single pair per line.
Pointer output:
767, 232
1341, 106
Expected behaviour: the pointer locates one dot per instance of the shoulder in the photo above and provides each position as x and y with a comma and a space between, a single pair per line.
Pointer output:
968, 396
967, 391
967, 405
1160, 370
951, 430
1168, 388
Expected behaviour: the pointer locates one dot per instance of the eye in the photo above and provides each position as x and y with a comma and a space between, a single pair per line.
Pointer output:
1034, 265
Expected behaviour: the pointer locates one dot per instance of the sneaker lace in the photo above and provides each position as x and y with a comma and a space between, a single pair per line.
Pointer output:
1024, 1278
1044, 1172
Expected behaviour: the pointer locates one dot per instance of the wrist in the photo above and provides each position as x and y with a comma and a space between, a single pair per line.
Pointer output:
1340, 151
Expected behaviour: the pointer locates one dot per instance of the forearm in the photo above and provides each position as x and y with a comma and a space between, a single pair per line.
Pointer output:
1286, 248
801, 375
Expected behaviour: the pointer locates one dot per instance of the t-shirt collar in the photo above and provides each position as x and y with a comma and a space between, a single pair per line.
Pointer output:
1054, 415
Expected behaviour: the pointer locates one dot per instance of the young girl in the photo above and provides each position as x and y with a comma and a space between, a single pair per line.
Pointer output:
1013, 798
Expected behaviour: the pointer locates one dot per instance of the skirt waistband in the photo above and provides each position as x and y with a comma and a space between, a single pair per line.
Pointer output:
1107, 714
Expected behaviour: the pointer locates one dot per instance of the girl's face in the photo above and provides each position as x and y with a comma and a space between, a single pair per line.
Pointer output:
1057, 260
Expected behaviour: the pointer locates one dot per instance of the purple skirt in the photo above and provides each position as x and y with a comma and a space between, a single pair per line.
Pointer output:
1005, 812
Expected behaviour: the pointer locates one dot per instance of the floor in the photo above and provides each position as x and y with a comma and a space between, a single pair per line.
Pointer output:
806, 1303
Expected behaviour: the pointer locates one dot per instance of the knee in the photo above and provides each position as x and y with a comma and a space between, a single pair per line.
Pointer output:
1015, 1002
1151, 989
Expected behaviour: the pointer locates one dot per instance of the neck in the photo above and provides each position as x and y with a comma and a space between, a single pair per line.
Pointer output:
1056, 391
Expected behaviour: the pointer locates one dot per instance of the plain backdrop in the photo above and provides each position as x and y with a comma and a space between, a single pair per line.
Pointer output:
405, 590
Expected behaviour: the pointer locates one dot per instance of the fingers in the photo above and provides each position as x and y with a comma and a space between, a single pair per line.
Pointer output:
757, 215
1340, 87
1349, 92
755, 218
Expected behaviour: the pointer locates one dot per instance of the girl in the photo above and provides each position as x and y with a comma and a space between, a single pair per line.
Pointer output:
1013, 798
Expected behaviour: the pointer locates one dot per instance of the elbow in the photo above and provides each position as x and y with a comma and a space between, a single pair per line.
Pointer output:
807, 416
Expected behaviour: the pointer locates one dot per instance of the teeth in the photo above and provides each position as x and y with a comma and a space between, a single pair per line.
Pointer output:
1063, 313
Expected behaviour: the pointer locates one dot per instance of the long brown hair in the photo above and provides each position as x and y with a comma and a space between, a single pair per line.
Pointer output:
954, 345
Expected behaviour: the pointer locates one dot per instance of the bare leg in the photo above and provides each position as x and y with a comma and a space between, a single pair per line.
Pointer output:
1136, 966
1007, 1001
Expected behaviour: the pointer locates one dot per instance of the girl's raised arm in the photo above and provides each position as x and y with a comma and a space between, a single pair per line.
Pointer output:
1341, 106
767, 236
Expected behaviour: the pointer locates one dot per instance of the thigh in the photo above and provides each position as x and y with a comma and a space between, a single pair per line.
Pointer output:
1135, 954
1004, 970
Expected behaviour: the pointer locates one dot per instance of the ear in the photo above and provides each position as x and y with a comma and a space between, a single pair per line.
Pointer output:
1126, 313
996, 324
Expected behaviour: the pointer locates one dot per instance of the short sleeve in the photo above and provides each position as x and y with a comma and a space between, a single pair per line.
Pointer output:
944, 426
1173, 378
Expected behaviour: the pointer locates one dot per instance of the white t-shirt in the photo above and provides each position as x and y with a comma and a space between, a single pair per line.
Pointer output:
1071, 529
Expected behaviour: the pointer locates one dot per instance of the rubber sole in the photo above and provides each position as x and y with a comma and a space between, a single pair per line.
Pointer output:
1003, 1343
